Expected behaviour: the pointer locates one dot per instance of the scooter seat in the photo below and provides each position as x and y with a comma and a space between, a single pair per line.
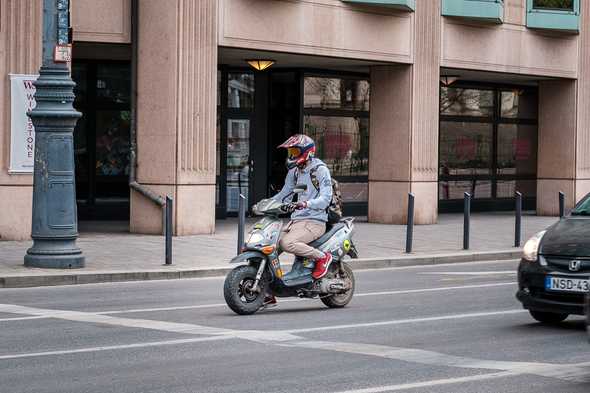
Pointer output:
322, 239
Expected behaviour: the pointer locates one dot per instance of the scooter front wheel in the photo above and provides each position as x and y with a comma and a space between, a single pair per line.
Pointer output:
237, 290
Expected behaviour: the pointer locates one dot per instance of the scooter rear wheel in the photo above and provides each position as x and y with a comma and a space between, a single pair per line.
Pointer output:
237, 290
342, 299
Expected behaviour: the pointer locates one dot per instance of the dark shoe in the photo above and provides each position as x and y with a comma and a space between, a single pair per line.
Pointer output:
270, 301
321, 266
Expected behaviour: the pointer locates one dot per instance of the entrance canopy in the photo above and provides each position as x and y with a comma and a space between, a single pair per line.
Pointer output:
237, 58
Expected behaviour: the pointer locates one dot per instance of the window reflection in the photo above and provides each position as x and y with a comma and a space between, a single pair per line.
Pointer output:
479, 189
465, 148
336, 116
517, 149
240, 90
336, 93
113, 83
518, 104
112, 143
507, 188
354, 192
342, 143
466, 102
567, 5
238, 153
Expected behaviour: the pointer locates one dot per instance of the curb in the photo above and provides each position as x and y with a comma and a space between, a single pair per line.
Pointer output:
27, 281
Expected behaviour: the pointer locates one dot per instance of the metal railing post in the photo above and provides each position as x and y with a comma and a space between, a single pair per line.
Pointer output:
466, 219
241, 221
410, 224
518, 219
169, 209
561, 204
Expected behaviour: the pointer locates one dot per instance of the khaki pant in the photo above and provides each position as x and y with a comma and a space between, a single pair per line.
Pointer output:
297, 234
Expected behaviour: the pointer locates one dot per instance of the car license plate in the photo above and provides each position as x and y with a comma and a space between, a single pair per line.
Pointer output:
567, 284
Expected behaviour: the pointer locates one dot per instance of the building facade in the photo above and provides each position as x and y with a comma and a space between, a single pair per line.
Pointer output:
433, 97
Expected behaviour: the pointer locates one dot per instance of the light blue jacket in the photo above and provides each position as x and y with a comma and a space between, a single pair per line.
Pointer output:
317, 200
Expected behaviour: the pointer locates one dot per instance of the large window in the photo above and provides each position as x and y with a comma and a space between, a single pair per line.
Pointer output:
336, 116
561, 15
488, 144
562, 5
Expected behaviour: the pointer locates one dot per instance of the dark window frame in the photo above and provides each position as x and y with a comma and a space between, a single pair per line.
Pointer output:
226, 113
502, 203
352, 207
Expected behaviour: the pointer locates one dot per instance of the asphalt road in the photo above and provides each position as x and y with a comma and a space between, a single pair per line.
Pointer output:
454, 328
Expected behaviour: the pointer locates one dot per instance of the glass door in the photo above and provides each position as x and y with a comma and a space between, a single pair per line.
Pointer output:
102, 138
238, 162
235, 121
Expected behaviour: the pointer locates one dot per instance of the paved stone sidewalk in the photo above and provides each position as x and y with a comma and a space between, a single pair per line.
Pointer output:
120, 251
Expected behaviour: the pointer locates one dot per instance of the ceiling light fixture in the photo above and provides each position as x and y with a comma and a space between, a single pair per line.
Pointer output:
448, 80
260, 65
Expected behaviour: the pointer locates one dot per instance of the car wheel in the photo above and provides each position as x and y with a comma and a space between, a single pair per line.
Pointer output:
548, 317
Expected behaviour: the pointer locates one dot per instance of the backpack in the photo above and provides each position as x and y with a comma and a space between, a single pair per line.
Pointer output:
334, 210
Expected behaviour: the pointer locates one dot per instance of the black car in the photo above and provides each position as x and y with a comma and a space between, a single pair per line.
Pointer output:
554, 273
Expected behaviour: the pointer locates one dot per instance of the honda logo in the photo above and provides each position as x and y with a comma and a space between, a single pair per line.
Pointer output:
575, 265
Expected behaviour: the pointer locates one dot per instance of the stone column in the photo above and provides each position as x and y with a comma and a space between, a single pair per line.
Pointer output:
177, 92
20, 53
564, 133
404, 127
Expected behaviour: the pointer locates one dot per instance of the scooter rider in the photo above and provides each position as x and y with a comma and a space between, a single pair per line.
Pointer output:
309, 213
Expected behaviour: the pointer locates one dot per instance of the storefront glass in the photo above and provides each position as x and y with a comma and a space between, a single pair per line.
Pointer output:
336, 116
488, 146
102, 138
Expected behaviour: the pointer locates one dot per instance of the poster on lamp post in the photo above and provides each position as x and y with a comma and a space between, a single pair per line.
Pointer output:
22, 131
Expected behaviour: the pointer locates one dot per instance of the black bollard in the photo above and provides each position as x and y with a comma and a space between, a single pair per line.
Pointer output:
168, 230
466, 219
518, 219
241, 221
410, 224
561, 204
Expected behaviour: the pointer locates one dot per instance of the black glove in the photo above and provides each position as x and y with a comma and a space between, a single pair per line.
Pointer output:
289, 207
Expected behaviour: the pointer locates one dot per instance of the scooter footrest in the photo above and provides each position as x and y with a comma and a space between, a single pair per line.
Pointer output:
298, 281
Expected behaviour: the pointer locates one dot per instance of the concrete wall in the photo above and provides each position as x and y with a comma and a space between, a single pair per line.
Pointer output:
509, 47
102, 21
20, 53
404, 128
564, 132
177, 113
318, 27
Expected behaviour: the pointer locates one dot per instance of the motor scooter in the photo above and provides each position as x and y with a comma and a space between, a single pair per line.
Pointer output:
261, 276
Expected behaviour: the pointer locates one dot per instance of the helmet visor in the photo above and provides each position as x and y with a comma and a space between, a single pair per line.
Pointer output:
293, 152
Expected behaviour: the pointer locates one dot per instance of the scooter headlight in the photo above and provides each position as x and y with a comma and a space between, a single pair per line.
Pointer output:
255, 238
531, 247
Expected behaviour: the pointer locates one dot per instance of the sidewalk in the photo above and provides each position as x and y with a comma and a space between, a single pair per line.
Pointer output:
112, 254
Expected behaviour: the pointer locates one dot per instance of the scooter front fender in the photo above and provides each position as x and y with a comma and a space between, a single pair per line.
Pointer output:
246, 256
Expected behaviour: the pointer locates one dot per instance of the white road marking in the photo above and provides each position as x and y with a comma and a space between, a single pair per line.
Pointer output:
407, 321
417, 267
436, 382
214, 305
20, 318
438, 289
569, 372
78, 316
114, 347
286, 338
486, 273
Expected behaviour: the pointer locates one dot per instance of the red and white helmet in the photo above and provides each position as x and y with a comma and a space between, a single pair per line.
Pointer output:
300, 149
